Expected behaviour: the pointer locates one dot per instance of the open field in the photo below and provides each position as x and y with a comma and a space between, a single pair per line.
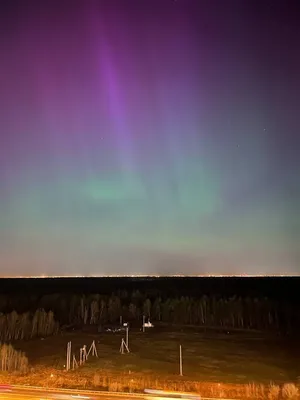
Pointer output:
220, 358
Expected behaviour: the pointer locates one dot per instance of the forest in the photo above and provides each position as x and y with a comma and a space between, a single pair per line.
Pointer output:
14, 326
45, 314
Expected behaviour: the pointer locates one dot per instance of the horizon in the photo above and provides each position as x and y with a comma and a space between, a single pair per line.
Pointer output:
150, 276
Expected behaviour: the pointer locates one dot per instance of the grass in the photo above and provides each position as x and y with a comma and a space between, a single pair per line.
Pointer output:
221, 362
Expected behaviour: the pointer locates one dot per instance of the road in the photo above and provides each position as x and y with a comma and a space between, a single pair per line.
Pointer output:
35, 393
43, 394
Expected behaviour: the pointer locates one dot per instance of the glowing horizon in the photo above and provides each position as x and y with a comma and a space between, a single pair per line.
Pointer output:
140, 276
150, 139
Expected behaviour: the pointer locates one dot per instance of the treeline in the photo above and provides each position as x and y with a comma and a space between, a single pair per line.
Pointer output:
12, 360
98, 309
234, 312
14, 326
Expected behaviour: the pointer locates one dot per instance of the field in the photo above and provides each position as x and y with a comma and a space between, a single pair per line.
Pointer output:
223, 358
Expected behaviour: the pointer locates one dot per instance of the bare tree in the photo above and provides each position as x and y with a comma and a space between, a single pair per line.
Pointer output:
12, 360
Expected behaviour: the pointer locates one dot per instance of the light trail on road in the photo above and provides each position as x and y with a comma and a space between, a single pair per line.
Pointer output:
38, 393
20, 394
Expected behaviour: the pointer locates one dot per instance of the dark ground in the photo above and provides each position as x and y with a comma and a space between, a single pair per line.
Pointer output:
234, 357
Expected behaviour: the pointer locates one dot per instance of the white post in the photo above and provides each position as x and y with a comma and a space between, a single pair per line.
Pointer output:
127, 336
67, 362
95, 353
75, 364
93, 350
180, 360
80, 356
143, 323
122, 347
68, 365
126, 347
70, 349
85, 356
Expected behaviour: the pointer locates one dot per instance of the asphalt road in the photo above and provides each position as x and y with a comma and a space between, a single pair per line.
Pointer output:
26, 394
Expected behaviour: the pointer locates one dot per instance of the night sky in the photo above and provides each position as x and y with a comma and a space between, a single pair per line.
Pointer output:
149, 137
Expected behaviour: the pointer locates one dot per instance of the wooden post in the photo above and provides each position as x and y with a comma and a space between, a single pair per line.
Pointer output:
180, 361
143, 323
121, 320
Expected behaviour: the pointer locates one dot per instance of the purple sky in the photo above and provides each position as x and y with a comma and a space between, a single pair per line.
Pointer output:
149, 137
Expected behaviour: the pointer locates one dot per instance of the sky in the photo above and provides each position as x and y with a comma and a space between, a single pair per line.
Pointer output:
149, 137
